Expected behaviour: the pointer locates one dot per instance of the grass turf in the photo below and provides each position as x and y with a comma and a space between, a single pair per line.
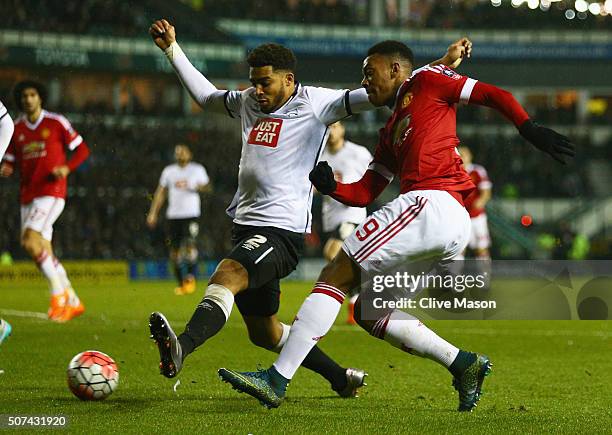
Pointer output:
549, 376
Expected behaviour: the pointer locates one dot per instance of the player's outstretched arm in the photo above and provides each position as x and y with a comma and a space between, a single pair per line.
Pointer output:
198, 86
545, 139
358, 194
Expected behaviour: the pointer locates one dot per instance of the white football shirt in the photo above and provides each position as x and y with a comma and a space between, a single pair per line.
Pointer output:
182, 184
278, 149
6, 129
349, 164
278, 152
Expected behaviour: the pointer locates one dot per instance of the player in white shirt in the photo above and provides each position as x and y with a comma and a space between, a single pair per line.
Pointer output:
6, 129
182, 184
6, 132
284, 127
348, 161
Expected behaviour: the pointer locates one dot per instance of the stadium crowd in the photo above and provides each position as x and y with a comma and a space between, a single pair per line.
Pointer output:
120, 18
445, 14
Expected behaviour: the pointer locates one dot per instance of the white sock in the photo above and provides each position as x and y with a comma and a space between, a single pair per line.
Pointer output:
62, 273
45, 263
222, 296
283, 339
410, 335
73, 299
314, 319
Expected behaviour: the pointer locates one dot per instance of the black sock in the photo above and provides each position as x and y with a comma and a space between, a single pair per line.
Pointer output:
319, 362
191, 268
462, 361
206, 321
178, 272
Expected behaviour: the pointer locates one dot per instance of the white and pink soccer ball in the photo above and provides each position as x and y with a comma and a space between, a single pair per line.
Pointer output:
92, 375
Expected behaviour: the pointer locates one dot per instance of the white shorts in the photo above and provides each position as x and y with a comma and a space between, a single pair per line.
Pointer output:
40, 215
480, 233
418, 225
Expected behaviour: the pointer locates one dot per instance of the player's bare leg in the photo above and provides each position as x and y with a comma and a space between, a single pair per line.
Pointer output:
270, 333
330, 250
34, 244
209, 317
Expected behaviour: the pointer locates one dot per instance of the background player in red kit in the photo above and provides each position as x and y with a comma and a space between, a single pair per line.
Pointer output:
426, 222
38, 150
480, 241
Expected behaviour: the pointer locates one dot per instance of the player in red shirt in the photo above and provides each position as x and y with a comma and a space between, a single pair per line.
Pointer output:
427, 221
38, 150
480, 241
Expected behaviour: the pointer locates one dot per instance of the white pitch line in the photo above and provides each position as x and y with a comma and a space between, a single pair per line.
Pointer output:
18, 313
351, 328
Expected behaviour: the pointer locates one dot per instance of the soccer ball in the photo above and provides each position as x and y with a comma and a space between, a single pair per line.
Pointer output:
92, 375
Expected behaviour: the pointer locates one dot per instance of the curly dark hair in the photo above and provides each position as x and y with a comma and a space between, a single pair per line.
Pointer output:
275, 55
26, 84
391, 47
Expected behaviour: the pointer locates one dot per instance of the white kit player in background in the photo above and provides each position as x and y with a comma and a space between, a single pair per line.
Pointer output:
349, 162
6, 132
182, 183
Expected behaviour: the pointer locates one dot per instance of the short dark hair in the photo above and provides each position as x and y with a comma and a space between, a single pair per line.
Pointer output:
392, 48
275, 55
26, 84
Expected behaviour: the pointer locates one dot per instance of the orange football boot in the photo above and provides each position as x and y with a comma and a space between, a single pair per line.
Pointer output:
74, 307
189, 285
57, 307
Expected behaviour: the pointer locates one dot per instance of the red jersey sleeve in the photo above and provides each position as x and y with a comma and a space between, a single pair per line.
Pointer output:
454, 88
70, 137
448, 86
376, 178
499, 99
74, 142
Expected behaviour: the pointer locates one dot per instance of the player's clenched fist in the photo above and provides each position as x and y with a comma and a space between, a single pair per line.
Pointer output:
322, 177
163, 33
458, 51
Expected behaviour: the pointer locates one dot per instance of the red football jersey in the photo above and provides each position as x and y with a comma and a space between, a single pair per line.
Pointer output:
419, 141
38, 148
479, 176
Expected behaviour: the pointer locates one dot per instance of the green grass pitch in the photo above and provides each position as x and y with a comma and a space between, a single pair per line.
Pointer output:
549, 376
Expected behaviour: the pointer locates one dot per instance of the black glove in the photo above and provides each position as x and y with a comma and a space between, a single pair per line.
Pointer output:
322, 177
547, 140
